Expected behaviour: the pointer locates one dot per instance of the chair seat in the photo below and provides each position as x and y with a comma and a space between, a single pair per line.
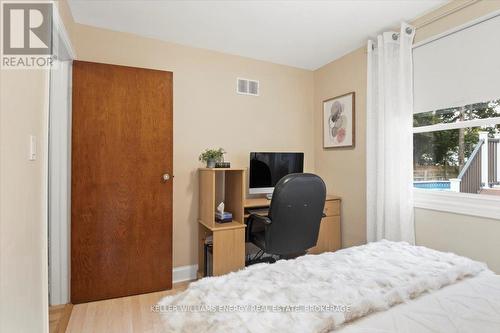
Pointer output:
259, 239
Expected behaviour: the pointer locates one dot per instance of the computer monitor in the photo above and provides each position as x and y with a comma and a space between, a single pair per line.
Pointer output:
266, 169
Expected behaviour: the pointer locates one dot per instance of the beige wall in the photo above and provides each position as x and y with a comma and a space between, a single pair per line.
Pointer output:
474, 237
23, 228
209, 113
344, 169
204, 84
204, 94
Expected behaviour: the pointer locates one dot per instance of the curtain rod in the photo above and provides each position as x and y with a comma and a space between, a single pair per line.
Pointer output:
463, 5
459, 28
431, 20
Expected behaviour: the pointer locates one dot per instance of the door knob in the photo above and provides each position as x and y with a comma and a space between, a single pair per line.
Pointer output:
165, 177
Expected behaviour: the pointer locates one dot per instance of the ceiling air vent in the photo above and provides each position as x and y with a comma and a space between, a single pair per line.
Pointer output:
247, 87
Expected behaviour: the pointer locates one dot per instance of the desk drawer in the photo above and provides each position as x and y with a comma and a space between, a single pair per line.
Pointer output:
329, 237
332, 208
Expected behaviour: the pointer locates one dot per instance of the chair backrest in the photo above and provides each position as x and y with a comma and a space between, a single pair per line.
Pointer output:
296, 211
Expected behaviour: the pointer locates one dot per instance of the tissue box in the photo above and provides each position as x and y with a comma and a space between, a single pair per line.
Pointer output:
224, 217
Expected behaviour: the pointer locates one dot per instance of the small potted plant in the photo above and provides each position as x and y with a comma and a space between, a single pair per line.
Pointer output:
211, 156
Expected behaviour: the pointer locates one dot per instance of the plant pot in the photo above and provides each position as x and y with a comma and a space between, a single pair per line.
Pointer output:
211, 164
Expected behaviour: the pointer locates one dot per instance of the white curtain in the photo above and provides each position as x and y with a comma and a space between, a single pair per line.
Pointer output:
389, 137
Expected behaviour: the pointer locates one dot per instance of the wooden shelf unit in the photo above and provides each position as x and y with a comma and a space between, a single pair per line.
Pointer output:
217, 185
222, 185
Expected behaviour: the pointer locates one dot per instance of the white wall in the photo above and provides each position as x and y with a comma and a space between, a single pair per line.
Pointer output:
23, 225
470, 236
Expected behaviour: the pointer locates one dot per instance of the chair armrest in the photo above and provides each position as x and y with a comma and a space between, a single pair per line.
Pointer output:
261, 219
257, 219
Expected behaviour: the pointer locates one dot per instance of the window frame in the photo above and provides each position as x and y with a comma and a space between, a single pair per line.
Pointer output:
457, 125
482, 205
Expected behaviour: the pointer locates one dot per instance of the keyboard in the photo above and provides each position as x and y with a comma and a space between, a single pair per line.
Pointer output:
259, 211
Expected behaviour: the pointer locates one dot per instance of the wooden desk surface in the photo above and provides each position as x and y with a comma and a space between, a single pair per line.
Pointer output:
256, 202
264, 202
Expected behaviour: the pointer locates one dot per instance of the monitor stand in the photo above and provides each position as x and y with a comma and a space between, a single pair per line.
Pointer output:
269, 196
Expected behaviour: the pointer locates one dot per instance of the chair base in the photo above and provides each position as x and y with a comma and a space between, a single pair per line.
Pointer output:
270, 258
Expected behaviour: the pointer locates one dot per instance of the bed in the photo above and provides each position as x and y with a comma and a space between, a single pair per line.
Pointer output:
379, 287
471, 305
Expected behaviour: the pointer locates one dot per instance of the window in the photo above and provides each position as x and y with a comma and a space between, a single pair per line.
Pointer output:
457, 149
456, 125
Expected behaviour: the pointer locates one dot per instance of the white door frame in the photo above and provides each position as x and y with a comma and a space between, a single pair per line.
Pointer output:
59, 166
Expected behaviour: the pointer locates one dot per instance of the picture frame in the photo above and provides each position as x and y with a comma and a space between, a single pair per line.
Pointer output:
339, 121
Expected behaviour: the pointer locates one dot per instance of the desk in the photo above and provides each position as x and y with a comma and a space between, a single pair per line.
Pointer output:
329, 238
228, 239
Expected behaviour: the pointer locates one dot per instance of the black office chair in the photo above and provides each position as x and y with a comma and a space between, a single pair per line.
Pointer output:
293, 221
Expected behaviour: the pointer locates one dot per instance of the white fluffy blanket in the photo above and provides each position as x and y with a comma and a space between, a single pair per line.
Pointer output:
313, 293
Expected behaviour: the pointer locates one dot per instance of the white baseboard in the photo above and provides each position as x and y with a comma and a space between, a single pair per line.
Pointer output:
184, 273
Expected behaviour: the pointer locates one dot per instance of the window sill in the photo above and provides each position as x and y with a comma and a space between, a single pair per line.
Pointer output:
483, 205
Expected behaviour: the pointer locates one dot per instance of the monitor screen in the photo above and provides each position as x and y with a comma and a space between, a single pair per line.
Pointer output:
266, 169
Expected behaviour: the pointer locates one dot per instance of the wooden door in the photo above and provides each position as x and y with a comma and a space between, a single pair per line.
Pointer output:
121, 207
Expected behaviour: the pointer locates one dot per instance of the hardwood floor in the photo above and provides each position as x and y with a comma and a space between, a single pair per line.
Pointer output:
59, 317
120, 315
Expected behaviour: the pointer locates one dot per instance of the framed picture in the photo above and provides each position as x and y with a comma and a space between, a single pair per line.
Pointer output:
338, 121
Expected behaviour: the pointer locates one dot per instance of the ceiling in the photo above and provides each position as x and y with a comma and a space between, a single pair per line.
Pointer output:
304, 34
